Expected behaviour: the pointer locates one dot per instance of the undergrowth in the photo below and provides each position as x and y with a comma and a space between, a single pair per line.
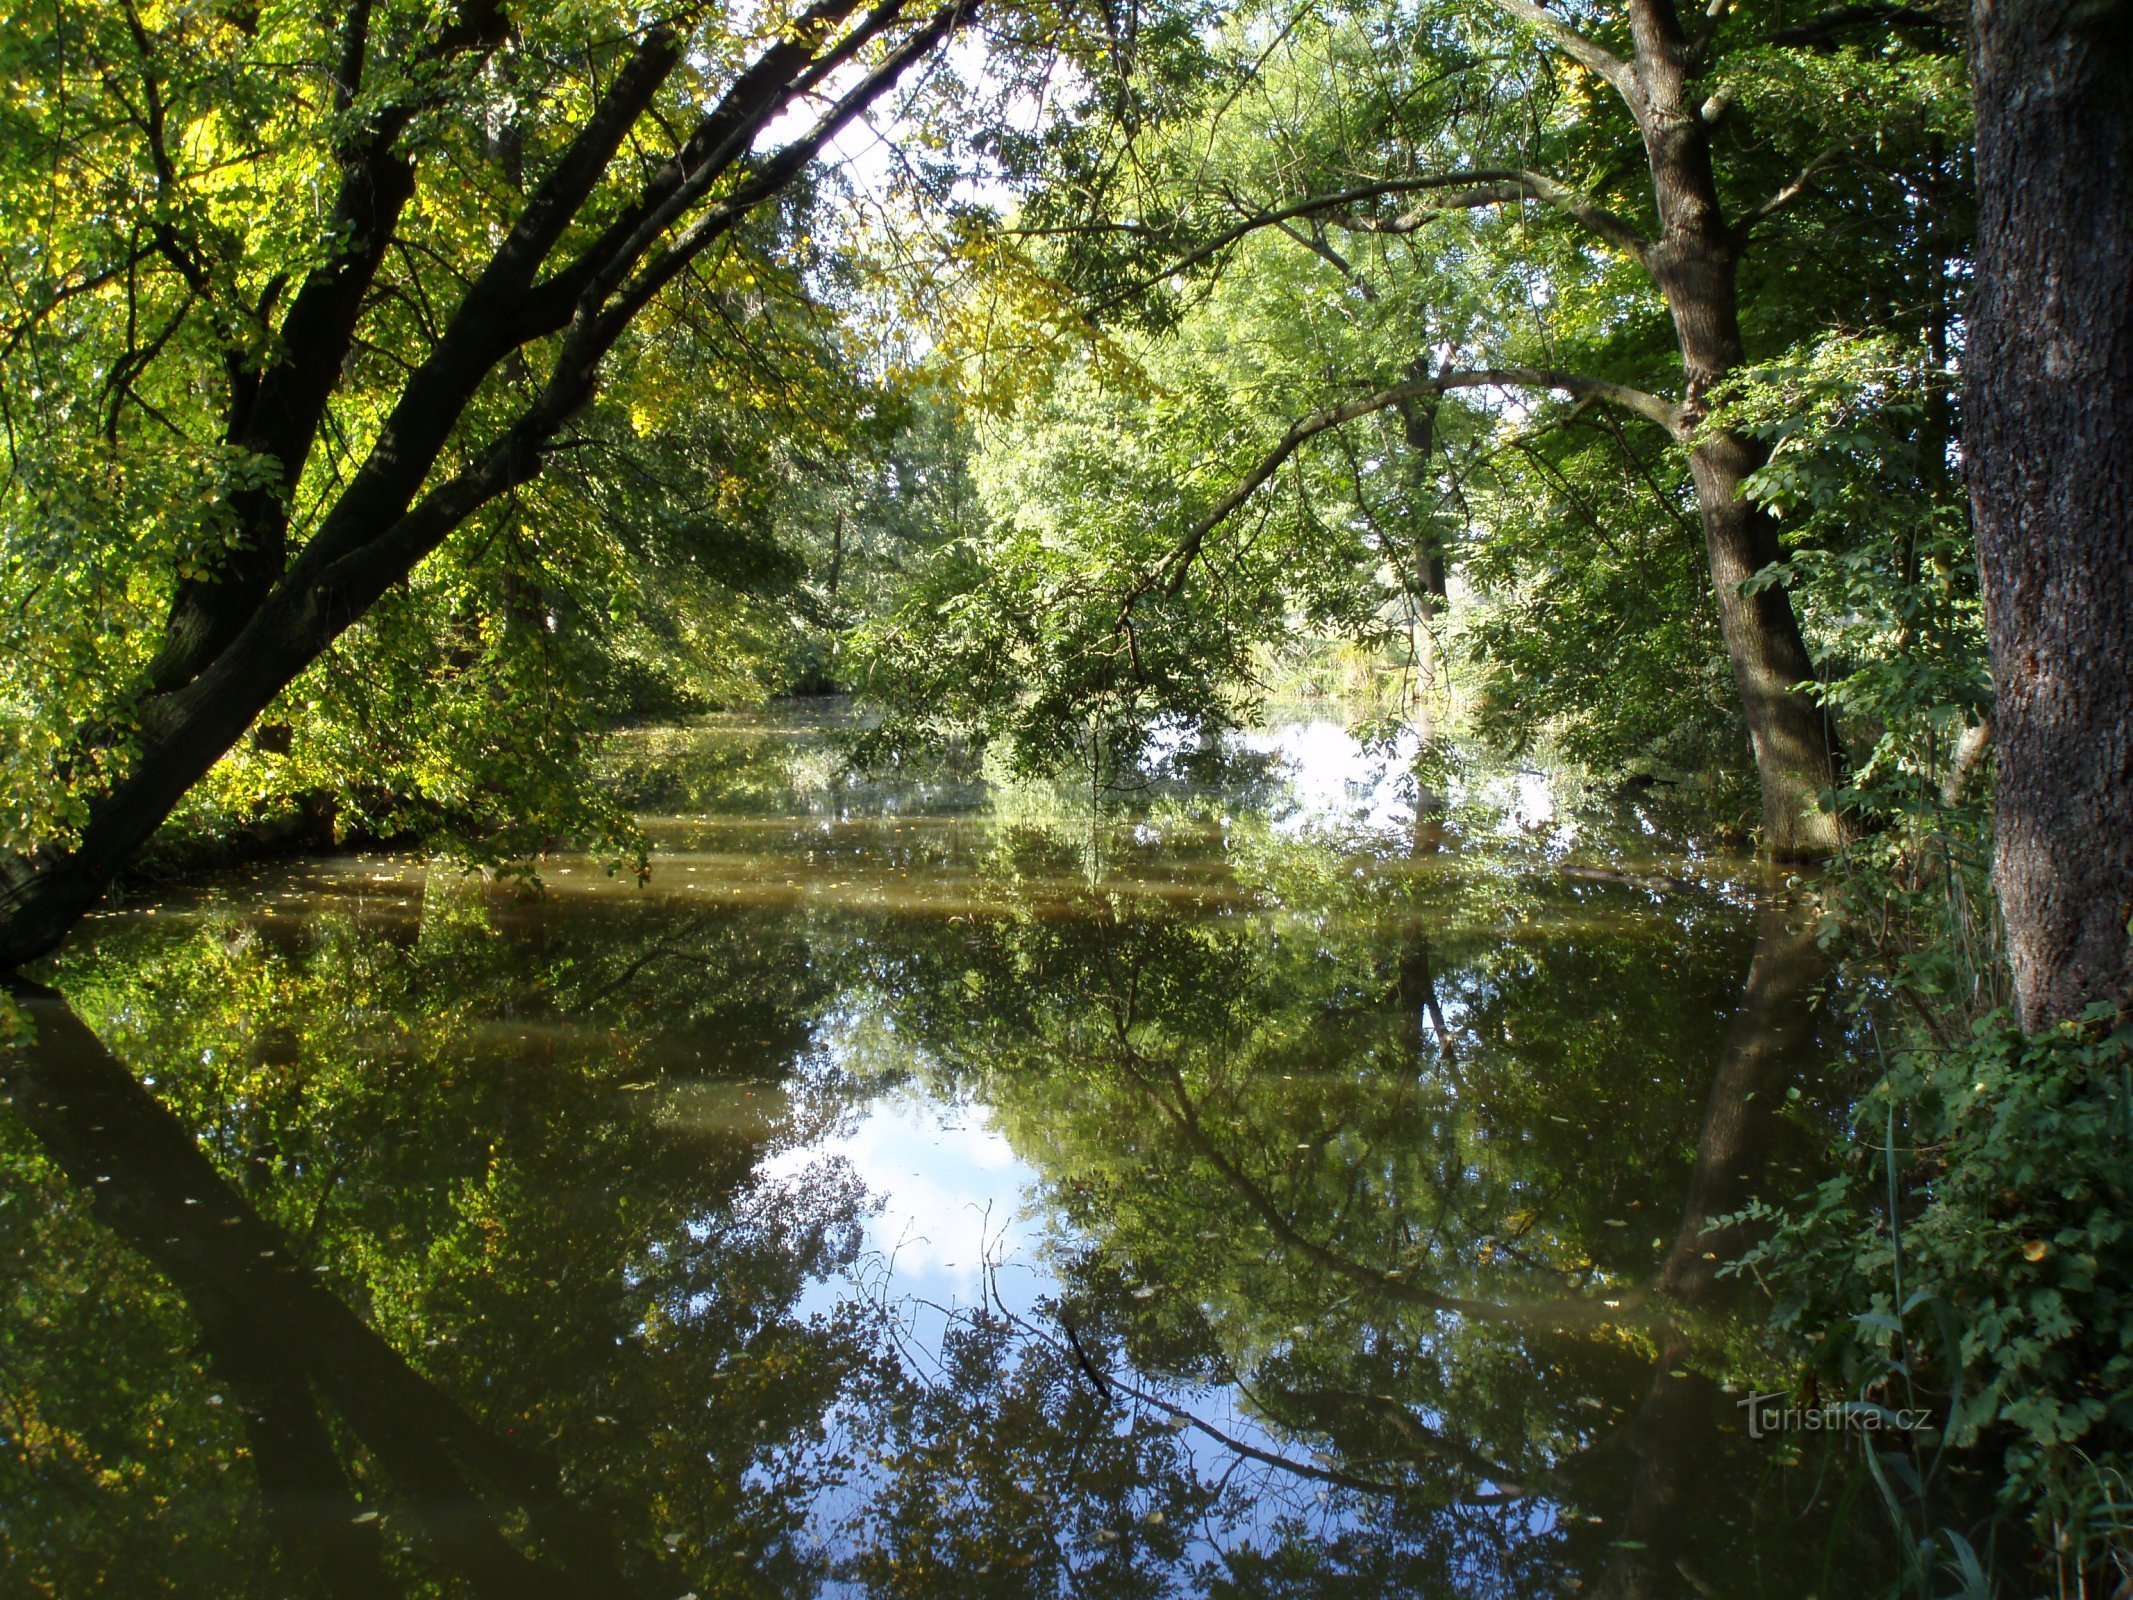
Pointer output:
1971, 1257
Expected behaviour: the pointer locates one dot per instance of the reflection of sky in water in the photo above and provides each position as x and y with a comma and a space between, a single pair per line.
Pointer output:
958, 1226
818, 1078
1337, 785
949, 1188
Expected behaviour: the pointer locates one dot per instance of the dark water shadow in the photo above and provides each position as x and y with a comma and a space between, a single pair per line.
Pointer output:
292, 1351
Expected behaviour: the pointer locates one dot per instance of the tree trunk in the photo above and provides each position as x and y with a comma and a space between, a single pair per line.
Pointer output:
1418, 429
1793, 741
1695, 262
1428, 582
239, 639
836, 570
2048, 416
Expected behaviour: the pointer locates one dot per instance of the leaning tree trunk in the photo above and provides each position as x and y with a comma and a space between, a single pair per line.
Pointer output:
234, 645
2048, 416
1695, 263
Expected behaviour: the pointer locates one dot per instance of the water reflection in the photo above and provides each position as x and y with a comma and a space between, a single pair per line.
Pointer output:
1276, 1187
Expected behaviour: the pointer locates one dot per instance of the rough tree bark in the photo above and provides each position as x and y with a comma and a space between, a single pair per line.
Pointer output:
2048, 416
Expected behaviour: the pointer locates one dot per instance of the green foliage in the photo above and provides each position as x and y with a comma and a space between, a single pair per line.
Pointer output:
1971, 1253
1997, 1289
1590, 624
697, 537
1237, 298
1043, 627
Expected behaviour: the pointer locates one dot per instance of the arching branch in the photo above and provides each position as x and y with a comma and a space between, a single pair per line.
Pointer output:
1170, 574
1792, 191
1463, 190
1509, 189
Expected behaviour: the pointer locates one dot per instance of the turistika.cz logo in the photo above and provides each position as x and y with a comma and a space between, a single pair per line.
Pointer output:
1780, 1413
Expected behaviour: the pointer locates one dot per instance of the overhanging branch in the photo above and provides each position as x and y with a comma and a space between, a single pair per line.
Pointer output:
1170, 572
1798, 186
1462, 190
1508, 189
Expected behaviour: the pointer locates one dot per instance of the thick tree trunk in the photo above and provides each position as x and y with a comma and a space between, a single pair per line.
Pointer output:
2048, 417
1695, 261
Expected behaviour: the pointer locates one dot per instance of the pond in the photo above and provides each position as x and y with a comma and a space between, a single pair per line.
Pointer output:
1289, 1177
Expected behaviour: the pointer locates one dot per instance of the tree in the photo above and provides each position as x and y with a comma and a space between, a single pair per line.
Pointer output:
2048, 446
274, 348
1440, 132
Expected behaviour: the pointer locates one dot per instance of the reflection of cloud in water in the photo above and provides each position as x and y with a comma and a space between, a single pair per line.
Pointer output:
949, 1186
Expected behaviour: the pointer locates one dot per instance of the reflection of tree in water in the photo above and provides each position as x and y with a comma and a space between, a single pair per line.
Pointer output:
1332, 1303
1464, 1296
477, 1265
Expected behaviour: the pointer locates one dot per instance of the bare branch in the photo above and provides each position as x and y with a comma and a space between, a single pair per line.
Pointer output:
720, 138
1312, 206
1316, 242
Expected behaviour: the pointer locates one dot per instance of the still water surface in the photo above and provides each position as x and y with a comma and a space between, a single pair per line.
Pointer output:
1288, 1182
